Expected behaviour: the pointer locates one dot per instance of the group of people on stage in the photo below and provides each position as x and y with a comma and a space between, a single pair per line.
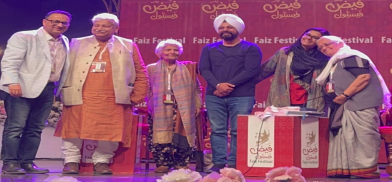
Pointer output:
101, 77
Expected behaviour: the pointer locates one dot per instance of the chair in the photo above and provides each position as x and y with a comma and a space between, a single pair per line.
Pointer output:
386, 134
143, 128
144, 131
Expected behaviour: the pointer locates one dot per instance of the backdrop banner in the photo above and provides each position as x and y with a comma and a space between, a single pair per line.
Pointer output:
271, 24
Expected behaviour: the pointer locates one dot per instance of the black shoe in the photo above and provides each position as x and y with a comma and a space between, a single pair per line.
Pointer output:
31, 168
12, 168
216, 168
234, 166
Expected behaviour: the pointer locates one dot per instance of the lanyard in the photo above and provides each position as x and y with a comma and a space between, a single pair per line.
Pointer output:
103, 50
168, 79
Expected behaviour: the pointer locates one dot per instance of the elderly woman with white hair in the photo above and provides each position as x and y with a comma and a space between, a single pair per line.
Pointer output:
107, 78
174, 102
354, 91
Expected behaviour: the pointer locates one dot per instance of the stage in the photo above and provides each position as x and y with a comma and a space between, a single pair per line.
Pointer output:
55, 167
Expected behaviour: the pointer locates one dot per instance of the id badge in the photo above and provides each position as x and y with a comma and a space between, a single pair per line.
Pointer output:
98, 67
330, 87
168, 98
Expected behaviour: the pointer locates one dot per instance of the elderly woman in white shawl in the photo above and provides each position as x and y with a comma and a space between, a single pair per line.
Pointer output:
354, 91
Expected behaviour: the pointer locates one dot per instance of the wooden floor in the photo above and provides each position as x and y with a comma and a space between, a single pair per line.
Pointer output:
55, 168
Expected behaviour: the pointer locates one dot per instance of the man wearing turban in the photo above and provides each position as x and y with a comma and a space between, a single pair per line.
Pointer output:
228, 67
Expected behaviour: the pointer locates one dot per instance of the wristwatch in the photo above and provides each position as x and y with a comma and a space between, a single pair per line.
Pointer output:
345, 95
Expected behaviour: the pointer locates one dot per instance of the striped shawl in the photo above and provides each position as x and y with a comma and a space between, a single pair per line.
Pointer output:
183, 87
278, 66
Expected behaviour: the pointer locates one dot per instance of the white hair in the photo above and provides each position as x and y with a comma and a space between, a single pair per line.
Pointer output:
332, 38
167, 42
106, 16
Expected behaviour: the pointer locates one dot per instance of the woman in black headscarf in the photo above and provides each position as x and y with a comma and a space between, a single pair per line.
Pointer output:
295, 69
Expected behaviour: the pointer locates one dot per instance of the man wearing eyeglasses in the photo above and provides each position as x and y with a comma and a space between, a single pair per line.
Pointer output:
33, 62
107, 78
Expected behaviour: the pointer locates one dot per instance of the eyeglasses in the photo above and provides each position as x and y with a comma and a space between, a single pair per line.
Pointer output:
310, 35
56, 22
320, 47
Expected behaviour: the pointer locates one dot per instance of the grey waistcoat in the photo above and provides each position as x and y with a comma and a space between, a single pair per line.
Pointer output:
370, 96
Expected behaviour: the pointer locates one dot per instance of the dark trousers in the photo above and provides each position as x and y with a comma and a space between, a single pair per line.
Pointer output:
24, 124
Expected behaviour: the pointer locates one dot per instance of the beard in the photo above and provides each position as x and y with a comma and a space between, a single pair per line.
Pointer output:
228, 37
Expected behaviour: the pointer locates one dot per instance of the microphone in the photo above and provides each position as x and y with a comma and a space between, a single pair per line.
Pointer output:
304, 108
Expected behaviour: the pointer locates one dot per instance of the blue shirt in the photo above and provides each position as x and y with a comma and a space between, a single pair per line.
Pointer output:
237, 65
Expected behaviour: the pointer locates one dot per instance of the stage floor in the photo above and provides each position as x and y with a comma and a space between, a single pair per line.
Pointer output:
55, 167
